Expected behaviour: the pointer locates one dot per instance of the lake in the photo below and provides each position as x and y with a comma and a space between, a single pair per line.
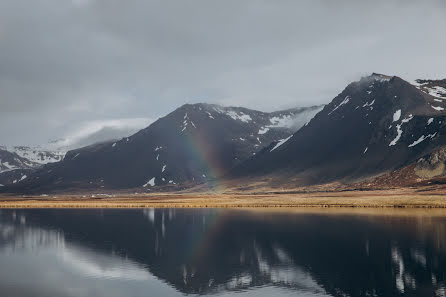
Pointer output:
215, 252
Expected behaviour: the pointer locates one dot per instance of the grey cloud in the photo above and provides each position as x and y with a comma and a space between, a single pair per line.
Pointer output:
66, 62
91, 132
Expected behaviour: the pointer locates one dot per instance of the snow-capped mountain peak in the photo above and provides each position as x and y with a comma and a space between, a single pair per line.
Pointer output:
37, 154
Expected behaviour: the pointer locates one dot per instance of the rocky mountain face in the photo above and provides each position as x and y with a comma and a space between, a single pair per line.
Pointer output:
11, 161
372, 127
37, 155
435, 88
13, 168
18, 162
24, 157
196, 143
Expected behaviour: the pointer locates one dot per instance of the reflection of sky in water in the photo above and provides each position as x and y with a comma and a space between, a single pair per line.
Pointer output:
222, 253
40, 262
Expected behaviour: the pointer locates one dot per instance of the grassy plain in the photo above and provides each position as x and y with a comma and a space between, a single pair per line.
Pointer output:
430, 197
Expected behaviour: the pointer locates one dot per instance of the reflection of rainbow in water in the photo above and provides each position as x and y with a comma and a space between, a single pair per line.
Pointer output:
201, 242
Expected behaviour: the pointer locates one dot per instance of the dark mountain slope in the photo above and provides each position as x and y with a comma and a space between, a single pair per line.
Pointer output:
14, 168
193, 144
375, 125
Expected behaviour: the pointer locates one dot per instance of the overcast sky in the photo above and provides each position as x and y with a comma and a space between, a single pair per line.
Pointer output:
73, 68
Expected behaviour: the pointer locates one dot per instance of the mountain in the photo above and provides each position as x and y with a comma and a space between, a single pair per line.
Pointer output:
24, 157
18, 162
37, 155
374, 126
11, 161
13, 168
14, 176
435, 88
194, 144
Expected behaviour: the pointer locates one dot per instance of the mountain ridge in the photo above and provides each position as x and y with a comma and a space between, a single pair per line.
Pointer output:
357, 135
377, 125
196, 143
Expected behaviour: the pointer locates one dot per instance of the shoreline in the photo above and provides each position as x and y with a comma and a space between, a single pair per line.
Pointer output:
394, 198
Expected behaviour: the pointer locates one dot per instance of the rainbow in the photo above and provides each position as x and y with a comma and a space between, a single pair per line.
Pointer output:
198, 147
198, 246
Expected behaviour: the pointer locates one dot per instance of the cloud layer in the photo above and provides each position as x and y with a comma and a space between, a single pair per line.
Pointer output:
98, 131
67, 62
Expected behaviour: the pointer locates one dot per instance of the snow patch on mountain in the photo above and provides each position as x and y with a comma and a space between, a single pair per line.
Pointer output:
398, 127
186, 122
437, 91
36, 154
434, 91
367, 104
263, 130
406, 120
421, 139
239, 116
398, 136
433, 88
151, 183
5, 166
381, 77
282, 141
397, 115
293, 120
345, 101
439, 108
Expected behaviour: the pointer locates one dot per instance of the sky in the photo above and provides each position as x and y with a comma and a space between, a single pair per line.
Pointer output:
81, 69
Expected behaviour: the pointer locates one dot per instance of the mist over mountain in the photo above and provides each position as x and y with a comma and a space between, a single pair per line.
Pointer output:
92, 132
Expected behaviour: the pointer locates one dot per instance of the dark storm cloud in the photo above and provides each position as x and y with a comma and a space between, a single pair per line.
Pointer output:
65, 64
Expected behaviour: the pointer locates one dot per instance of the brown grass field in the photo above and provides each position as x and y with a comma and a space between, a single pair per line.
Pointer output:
429, 197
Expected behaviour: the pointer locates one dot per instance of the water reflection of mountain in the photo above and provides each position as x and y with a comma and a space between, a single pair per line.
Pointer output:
209, 251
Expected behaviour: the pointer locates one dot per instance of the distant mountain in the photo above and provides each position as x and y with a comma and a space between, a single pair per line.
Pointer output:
37, 155
18, 162
435, 88
10, 161
194, 144
376, 125
13, 168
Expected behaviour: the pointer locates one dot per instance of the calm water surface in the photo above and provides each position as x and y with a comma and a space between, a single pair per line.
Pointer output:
178, 252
